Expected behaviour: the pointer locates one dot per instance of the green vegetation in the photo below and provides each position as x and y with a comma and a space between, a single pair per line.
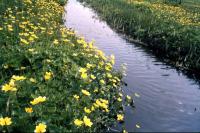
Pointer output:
51, 80
171, 30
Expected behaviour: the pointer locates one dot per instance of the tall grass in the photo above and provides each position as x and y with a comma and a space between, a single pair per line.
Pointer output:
169, 38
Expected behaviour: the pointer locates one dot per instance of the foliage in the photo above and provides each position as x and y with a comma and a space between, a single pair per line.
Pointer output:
171, 31
49, 77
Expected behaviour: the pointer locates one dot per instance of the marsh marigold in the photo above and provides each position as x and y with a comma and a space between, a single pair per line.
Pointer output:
5, 121
40, 128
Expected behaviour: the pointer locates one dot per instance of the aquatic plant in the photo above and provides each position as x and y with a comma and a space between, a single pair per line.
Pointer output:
51, 80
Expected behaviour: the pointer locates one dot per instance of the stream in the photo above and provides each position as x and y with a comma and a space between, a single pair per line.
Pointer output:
169, 100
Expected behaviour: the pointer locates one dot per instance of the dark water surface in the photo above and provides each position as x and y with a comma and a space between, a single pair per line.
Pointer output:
167, 99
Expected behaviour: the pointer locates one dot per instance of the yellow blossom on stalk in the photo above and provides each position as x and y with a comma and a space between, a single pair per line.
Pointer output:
89, 65
119, 99
29, 110
38, 100
12, 83
48, 75
120, 94
40, 128
31, 50
22, 68
109, 75
49, 61
8, 87
92, 108
96, 90
82, 70
87, 121
10, 28
76, 97
87, 110
18, 78
104, 101
31, 39
78, 122
33, 80
102, 81
92, 77
84, 75
120, 117
55, 41
23, 41
5, 66
5, 121
85, 92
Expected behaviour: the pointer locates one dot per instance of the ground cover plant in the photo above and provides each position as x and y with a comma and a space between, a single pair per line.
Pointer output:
172, 30
51, 80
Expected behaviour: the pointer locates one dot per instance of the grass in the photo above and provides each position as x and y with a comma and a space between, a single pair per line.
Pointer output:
51, 80
171, 30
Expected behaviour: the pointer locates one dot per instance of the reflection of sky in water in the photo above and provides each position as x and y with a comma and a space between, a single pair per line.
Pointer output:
168, 98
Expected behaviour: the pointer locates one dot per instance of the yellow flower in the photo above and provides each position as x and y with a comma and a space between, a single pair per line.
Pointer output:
119, 99
93, 77
18, 78
38, 100
29, 110
12, 83
8, 87
1, 28
5, 66
89, 65
2, 123
5, 121
40, 128
24, 41
76, 97
85, 92
109, 75
120, 117
120, 94
48, 75
82, 70
31, 50
55, 41
87, 121
22, 68
102, 81
33, 80
96, 90
84, 75
92, 108
87, 110
78, 122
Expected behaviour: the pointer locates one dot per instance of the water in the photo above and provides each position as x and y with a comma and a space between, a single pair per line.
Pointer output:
167, 99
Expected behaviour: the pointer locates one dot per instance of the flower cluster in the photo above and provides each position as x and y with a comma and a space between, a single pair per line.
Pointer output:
52, 80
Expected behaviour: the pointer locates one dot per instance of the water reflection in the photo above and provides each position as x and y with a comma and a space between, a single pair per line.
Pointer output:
169, 100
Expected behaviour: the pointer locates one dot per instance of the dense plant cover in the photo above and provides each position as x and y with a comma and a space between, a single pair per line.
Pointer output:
172, 31
51, 80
